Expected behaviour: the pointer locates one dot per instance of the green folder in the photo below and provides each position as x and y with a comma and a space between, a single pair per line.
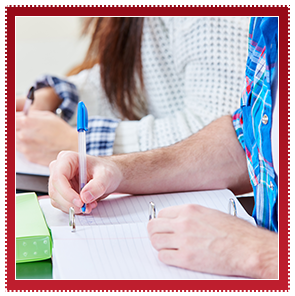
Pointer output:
33, 239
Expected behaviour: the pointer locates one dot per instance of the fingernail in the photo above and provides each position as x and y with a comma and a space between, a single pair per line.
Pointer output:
88, 197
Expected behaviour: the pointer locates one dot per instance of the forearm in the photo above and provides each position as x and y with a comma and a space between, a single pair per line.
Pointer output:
209, 159
265, 255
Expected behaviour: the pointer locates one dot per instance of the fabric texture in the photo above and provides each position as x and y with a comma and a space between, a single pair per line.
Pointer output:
193, 71
253, 121
65, 90
100, 135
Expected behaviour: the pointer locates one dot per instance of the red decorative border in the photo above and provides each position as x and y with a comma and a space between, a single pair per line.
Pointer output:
283, 283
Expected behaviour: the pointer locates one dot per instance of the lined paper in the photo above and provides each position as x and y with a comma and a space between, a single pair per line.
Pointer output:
121, 251
113, 243
134, 209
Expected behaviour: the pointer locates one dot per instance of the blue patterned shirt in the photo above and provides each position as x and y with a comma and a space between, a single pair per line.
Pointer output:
253, 121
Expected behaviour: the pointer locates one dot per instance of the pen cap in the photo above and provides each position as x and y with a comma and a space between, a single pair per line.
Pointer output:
82, 117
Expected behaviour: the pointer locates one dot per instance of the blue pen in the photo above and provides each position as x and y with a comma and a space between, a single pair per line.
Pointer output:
82, 127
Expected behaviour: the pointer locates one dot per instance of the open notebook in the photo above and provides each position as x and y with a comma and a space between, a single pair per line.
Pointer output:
112, 242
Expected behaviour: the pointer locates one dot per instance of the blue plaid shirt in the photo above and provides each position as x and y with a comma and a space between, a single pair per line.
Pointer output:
253, 121
100, 136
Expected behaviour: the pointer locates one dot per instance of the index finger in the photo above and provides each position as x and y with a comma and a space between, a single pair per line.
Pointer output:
63, 173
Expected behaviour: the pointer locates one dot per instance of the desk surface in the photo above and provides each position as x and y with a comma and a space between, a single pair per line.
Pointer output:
31, 183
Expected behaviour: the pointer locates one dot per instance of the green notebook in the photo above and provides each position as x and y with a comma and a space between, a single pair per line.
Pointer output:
33, 239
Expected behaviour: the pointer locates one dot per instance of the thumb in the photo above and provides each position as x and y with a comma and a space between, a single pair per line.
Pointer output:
92, 191
106, 177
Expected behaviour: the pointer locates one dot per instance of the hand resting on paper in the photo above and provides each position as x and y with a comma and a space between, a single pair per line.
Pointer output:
207, 240
41, 135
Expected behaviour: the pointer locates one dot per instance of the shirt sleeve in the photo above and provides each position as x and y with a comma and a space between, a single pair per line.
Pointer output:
101, 131
100, 136
237, 119
65, 90
209, 76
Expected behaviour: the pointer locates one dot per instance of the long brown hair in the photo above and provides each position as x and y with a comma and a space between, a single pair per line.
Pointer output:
116, 46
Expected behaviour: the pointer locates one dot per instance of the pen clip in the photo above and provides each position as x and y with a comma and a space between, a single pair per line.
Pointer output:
72, 219
152, 210
232, 205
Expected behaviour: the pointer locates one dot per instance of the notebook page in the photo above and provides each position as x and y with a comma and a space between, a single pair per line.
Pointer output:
121, 251
134, 209
23, 166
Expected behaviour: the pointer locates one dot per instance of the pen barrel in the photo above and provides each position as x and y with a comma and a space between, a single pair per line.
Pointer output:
27, 105
82, 159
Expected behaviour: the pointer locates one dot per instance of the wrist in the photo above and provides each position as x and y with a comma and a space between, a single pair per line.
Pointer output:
118, 161
46, 99
145, 178
263, 259
268, 257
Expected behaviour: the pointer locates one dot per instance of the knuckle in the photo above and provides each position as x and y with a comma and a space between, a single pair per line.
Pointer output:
52, 165
62, 154
22, 137
161, 213
184, 224
67, 155
191, 208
